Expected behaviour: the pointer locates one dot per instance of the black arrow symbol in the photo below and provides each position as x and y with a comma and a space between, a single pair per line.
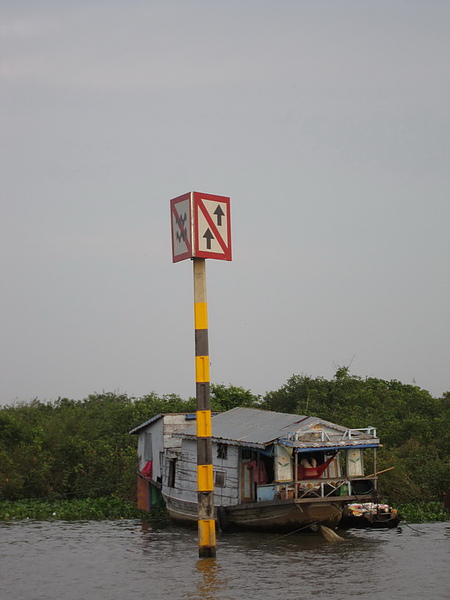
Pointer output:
219, 214
209, 236
182, 234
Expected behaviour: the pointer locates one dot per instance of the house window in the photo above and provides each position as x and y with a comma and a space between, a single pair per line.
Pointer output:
148, 450
171, 477
220, 478
222, 451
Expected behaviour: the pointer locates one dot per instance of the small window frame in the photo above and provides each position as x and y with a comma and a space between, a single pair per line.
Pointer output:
148, 446
220, 478
222, 451
171, 475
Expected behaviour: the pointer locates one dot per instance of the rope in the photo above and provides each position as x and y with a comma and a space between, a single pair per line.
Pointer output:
300, 529
416, 530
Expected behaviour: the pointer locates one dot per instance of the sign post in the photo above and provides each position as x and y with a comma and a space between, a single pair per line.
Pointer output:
201, 229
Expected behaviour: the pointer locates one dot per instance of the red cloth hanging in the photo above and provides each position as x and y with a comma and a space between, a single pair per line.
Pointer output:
147, 470
259, 471
314, 472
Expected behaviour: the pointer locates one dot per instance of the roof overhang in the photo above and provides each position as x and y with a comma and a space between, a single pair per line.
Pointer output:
322, 446
146, 424
217, 440
304, 447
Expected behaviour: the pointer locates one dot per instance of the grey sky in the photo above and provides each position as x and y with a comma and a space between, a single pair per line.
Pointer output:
326, 122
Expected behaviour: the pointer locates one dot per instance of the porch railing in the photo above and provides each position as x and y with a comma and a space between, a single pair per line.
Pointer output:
319, 488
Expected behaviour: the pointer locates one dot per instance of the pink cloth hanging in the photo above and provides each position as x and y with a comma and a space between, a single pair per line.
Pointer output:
259, 471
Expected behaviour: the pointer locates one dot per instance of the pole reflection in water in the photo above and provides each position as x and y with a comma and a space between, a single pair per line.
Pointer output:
211, 581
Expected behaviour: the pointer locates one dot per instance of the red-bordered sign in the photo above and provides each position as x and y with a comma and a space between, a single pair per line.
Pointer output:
201, 226
181, 220
212, 226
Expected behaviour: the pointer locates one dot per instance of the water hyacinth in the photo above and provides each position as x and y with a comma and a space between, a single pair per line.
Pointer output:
98, 509
71, 510
423, 512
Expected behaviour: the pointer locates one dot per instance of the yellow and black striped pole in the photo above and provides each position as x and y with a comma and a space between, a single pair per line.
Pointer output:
205, 481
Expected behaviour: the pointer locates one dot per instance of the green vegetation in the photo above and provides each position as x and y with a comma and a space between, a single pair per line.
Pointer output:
423, 512
81, 451
74, 510
75, 449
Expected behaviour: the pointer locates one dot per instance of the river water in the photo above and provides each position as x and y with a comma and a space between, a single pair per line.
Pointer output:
131, 560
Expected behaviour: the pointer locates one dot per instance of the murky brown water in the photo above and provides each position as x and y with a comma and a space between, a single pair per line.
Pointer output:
128, 560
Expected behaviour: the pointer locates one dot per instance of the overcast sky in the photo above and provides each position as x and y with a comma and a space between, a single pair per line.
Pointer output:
327, 123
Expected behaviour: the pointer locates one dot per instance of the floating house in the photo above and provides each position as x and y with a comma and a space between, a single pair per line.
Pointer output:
272, 471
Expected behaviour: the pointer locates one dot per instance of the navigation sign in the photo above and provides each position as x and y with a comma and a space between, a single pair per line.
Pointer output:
201, 226
212, 227
181, 218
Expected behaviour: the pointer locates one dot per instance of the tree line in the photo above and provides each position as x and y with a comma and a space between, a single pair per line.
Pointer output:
82, 448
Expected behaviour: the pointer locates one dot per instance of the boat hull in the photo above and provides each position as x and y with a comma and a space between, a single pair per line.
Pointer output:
283, 515
277, 515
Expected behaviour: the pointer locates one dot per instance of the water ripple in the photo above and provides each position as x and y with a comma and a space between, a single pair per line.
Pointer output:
119, 560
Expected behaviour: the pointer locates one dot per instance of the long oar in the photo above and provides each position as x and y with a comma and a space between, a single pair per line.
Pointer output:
384, 471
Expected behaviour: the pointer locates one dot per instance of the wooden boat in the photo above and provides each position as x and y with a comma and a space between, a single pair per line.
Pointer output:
272, 471
369, 515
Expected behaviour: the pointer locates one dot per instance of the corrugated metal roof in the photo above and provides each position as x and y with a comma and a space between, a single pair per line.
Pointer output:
253, 427
249, 426
142, 425
188, 416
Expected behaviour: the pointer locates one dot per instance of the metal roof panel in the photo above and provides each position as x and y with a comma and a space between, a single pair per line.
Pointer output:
249, 426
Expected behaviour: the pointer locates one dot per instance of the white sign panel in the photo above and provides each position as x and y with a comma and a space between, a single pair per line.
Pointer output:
212, 227
181, 217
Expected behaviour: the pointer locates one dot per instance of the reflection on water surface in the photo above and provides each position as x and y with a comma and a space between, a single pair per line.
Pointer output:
123, 560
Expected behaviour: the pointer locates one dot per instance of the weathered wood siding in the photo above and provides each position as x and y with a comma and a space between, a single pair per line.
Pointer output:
156, 429
162, 432
229, 494
172, 424
185, 487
